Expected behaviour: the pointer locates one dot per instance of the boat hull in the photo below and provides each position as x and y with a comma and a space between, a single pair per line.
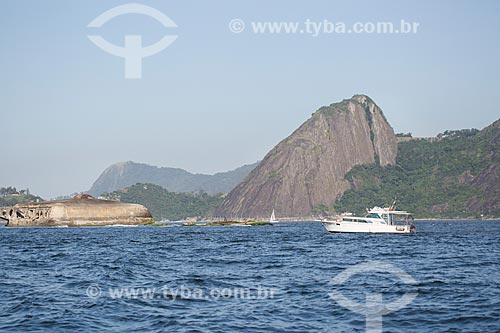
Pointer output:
355, 227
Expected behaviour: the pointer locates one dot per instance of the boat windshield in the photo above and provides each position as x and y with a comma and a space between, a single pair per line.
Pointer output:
373, 216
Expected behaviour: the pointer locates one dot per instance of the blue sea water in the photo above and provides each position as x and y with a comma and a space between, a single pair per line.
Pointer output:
66, 279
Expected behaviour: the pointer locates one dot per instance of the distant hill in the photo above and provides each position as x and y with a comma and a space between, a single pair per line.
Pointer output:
307, 169
124, 174
456, 174
165, 205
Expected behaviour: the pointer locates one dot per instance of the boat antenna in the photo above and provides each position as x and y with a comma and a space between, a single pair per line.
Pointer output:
393, 206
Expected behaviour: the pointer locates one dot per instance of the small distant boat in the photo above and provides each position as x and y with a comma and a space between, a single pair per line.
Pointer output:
273, 218
378, 221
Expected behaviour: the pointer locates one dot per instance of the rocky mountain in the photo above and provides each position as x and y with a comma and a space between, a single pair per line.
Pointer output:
307, 169
455, 175
124, 174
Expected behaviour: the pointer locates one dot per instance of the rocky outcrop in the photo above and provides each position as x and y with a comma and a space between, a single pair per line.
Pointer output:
307, 169
82, 210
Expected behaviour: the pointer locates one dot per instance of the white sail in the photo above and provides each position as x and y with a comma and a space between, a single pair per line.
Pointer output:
273, 217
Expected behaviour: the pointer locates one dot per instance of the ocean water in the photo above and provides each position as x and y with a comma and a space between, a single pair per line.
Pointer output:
247, 279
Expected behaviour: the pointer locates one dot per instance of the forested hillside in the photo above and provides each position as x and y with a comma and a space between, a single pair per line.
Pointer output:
457, 175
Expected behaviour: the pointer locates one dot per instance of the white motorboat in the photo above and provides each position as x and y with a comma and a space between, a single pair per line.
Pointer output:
378, 220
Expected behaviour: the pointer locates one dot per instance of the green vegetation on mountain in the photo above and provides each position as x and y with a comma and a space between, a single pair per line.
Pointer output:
457, 175
10, 196
165, 205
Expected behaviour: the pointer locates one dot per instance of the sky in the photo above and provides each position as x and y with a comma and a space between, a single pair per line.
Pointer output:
214, 99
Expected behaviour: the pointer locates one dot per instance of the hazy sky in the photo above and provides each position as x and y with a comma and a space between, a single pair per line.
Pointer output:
214, 100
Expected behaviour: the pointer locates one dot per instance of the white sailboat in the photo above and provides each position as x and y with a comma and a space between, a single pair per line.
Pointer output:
273, 218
